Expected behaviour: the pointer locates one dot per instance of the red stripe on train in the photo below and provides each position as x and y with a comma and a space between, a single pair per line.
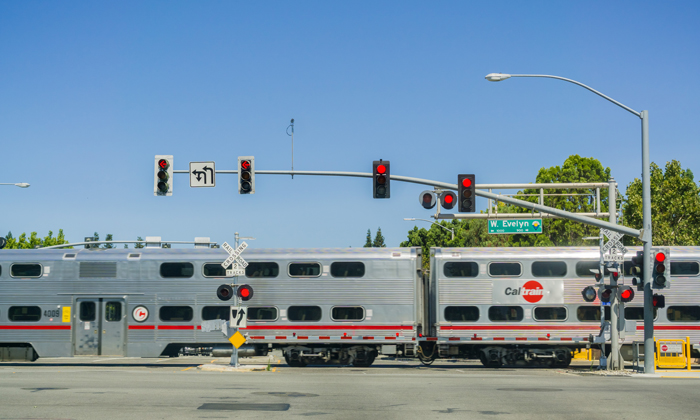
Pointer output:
142, 327
34, 327
328, 327
175, 327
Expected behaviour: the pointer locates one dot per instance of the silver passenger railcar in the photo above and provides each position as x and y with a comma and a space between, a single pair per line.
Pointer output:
524, 305
317, 305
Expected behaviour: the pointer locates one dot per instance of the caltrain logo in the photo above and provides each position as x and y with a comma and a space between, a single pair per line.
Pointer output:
140, 314
532, 291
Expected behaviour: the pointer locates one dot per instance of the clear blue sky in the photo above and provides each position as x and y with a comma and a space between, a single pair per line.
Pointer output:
91, 91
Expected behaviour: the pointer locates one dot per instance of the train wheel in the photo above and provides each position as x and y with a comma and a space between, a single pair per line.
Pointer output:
364, 363
489, 363
294, 362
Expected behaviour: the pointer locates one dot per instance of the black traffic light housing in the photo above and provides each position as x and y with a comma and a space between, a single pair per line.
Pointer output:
606, 295
245, 292
448, 199
163, 176
381, 177
227, 291
658, 301
589, 294
246, 175
224, 292
466, 188
637, 270
660, 271
427, 199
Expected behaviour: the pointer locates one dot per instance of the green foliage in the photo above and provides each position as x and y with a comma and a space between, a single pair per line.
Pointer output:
564, 232
109, 237
34, 241
379, 239
139, 245
368, 241
675, 206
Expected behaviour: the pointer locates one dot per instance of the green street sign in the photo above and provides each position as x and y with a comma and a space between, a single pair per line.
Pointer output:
515, 226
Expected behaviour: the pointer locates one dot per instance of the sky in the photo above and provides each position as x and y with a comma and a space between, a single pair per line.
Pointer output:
91, 91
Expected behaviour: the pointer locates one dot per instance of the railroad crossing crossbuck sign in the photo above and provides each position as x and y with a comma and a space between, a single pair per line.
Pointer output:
614, 244
237, 269
202, 174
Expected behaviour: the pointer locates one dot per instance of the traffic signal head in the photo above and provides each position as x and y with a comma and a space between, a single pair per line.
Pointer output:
466, 189
658, 301
626, 294
637, 269
245, 292
246, 175
448, 199
606, 295
224, 292
380, 179
589, 294
658, 273
427, 199
162, 180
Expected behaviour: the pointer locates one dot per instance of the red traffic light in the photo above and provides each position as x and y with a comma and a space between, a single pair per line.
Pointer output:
626, 294
658, 301
245, 292
448, 199
660, 257
163, 164
466, 182
381, 169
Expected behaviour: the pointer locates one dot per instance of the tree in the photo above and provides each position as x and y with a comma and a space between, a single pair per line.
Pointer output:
139, 245
368, 241
109, 237
23, 243
379, 239
675, 206
565, 232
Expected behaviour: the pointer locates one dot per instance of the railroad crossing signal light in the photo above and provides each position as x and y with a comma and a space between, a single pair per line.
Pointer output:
427, 199
246, 175
163, 175
589, 294
626, 294
661, 259
380, 179
245, 292
658, 301
448, 199
637, 269
224, 292
466, 187
606, 295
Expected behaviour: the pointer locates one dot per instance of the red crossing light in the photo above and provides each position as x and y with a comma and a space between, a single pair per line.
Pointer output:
245, 292
626, 294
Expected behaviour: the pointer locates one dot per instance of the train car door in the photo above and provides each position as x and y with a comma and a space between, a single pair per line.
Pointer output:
100, 325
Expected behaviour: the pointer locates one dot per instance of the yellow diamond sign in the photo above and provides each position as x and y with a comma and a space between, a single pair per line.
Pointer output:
237, 339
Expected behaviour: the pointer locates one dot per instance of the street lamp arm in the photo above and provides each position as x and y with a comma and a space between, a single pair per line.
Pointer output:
435, 223
639, 114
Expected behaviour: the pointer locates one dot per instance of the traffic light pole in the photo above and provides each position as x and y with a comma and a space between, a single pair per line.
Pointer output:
234, 353
649, 348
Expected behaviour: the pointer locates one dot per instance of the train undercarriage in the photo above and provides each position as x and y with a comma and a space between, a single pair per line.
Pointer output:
497, 356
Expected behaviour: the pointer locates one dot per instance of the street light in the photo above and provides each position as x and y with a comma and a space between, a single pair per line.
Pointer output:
646, 210
19, 184
435, 223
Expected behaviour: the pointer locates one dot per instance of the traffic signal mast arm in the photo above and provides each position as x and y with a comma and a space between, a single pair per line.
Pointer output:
498, 197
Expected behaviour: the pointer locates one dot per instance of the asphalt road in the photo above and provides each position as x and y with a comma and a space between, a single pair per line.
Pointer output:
177, 389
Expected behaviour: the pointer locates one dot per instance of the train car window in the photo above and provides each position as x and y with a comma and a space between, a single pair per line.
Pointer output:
509, 269
177, 269
506, 313
549, 268
583, 268
24, 313
25, 270
88, 311
0, 270
213, 270
348, 313
262, 269
461, 313
268, 313
304, 270
591, 313
176, 313
304, 313
550, 313
634, 313
347, 269
216, 312
685, 268
113, 311
683, 313
461, 269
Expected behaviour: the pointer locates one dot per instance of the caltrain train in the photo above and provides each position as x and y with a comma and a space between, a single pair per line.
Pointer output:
347, 306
